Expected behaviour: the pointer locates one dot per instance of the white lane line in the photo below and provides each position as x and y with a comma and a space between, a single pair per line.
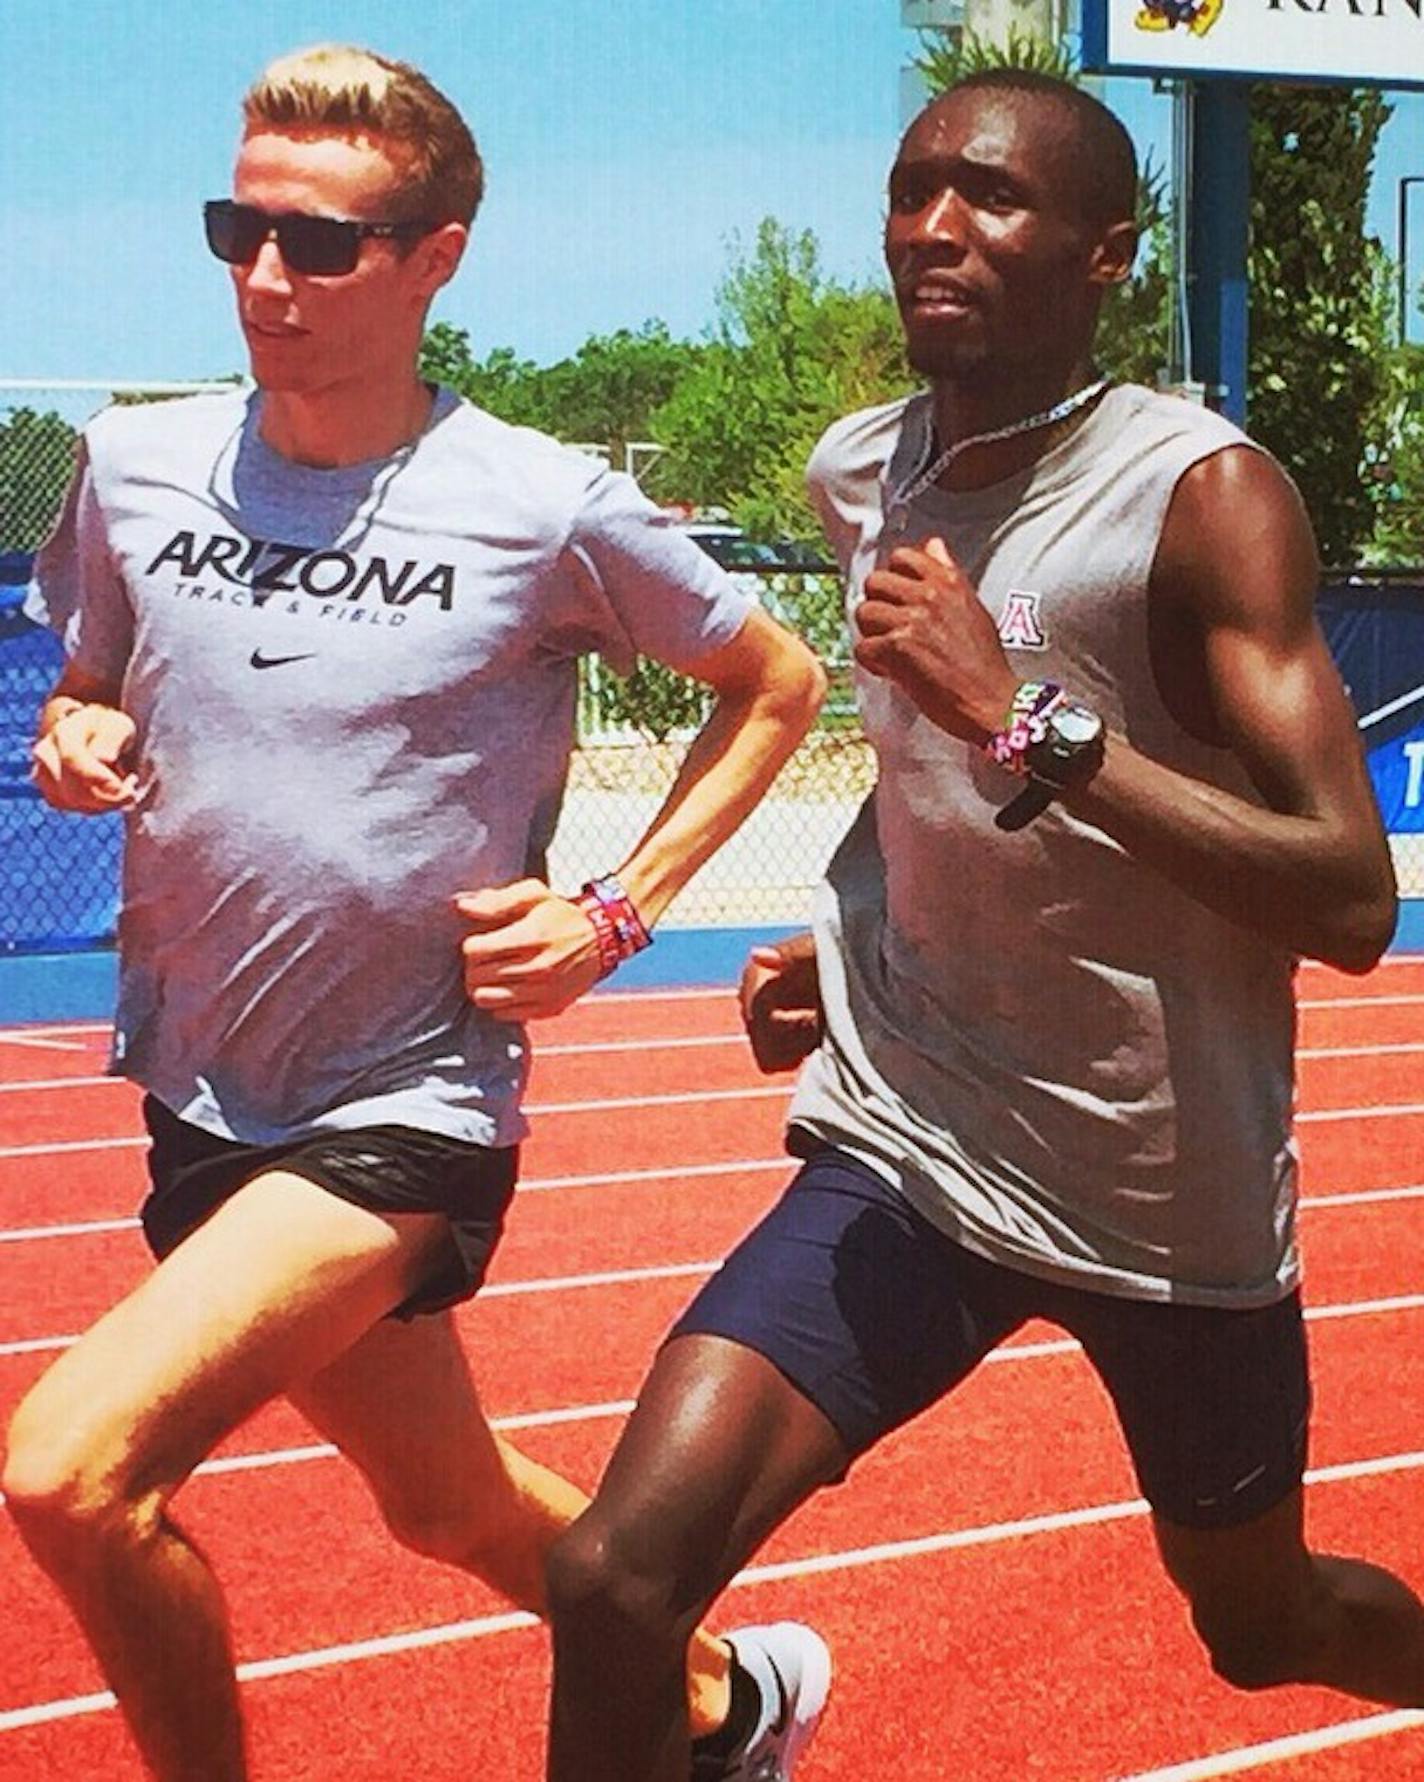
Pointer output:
577, 1048
65, 1147
70, 1029
682, 1098
1358, 1051
673, 1271
1364, 1308
849, 1559
534, 1185
603, 1046
1393, 1000
1397, 1111
29, 1042
1362, 1196
607, 1277
63, 1030
571, 1049
24, 1234
63, 1083
611, 1104
1255, 1757
592, 1047
86, 1228
1380, 964
693, 1098
262, 1458
257, 1669
614, 1277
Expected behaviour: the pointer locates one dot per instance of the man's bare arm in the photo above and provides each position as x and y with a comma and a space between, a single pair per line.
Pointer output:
81, 745
769, 688
1310, 870
533, 952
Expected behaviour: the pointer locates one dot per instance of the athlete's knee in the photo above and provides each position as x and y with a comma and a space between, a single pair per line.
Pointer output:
66, 1491
609, 1587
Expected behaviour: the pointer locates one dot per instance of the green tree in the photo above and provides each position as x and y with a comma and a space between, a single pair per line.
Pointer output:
1399, 471
606, 393
36, 460
791, 351
1318, 386
949, 56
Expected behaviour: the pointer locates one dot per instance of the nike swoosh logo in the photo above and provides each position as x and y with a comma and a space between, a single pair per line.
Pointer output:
258, 660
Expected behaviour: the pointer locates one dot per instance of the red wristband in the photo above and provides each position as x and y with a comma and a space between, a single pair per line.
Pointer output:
617, 925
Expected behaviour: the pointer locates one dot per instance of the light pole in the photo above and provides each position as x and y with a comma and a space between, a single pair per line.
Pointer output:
1410, 179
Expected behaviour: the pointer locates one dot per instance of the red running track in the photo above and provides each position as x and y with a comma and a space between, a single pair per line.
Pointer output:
986, 1579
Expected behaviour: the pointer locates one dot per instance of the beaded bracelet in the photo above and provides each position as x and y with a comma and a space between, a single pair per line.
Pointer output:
1025, 724
617, 926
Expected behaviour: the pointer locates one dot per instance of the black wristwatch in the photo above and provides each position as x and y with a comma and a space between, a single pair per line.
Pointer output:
1069, 754
1072, 751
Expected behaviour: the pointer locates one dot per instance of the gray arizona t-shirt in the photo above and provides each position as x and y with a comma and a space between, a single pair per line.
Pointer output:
354, 692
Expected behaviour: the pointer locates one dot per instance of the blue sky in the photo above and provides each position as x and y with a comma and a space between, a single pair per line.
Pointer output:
628, 143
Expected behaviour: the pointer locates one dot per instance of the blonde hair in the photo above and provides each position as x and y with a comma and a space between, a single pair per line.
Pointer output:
335, 87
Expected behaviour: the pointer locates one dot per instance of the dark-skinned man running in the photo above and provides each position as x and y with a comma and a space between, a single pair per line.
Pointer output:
1050, 987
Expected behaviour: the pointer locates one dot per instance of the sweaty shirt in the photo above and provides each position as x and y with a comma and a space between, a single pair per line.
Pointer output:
354, 692
1064, 1062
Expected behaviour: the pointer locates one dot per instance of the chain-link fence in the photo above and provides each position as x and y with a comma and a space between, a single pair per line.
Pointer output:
58, 879
39, 423
59, 873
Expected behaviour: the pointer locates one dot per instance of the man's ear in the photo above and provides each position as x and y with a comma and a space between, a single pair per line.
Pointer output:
1112, 258
439, 255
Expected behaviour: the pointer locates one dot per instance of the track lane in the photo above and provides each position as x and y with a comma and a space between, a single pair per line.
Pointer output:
1405, 1387
1030, 1657
1337, 1155
59, 1286
980, 1458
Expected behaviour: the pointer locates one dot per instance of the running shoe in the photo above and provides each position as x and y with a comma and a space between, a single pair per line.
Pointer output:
791, 1665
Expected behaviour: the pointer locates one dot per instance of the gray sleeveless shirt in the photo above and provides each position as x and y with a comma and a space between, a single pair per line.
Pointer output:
1065, 1063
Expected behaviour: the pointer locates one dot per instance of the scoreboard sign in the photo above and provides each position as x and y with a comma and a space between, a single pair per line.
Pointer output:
1362, 42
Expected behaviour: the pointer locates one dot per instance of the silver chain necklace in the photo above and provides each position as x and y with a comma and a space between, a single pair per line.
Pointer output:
920, 480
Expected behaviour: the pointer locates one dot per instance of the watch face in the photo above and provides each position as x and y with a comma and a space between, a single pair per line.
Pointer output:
1072, 751
1076, 724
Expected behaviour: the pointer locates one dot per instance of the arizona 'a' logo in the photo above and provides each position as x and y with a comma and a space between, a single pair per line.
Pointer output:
1019, 628
1165, 15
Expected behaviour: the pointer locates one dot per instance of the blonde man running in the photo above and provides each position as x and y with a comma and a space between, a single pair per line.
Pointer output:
322, 645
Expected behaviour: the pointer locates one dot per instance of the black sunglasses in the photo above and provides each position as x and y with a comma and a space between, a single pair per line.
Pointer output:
324, 247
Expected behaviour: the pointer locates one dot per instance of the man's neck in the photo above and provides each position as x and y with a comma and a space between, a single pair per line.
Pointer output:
964, 409
347, 424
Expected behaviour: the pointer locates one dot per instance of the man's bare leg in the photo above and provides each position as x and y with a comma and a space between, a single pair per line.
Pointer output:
402, 1406
1270, 1611
720, 1450
282, 1279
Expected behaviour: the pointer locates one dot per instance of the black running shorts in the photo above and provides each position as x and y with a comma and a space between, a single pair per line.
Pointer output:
389, 1169
874, 1314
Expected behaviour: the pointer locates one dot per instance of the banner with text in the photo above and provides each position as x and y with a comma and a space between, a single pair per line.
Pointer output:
1363, 42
